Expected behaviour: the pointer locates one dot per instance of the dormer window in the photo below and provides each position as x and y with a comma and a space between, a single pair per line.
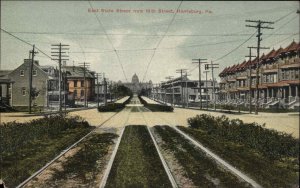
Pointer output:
21, 72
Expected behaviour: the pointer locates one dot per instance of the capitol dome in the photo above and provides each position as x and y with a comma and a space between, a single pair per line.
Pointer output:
135, 79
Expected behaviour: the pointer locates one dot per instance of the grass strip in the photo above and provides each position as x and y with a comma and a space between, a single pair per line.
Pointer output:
267, 172
156, 107
137, 163
114, 107
202, 170
26, 147
86, 164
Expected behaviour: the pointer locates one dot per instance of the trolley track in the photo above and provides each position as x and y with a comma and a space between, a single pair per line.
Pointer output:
25, 182
213, 156
162, 160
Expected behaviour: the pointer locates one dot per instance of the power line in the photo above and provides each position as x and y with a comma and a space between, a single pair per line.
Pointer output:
276, 30
167, 48
249, 39
26, 42
284, 39
136, 34
149, 63
284, 16
218, 59
99, 21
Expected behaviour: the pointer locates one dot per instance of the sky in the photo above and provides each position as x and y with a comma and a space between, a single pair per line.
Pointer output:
146, 38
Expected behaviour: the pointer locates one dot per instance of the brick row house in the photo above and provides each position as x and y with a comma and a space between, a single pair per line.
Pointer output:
77, 85
278, 80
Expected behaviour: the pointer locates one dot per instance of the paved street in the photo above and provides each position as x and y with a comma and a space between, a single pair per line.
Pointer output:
286, 122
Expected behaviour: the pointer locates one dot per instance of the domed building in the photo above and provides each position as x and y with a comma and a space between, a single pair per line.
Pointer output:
136, 86
135, 79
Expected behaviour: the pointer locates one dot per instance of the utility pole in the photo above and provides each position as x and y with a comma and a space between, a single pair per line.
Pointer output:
59, 54
105, 90
31, 53
199, 61
186, 89
212, 66
206, 71
85, 67
170, 78
98, 89
298, 12
258, 26
250, 80
181, 71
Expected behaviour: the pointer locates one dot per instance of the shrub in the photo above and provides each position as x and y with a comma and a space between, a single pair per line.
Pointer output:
270, 143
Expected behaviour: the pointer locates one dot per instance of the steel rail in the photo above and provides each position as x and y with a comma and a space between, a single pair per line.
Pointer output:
218, 159
163, 161
63, 153
112, 158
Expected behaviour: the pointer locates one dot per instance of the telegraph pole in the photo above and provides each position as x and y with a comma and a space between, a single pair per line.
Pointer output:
186, 89
199, 61
206, 71
31, 53
250, 80
98, 89
212, 66
170, 78
105, 90
59, 54
298, 12
181, 71
258, 26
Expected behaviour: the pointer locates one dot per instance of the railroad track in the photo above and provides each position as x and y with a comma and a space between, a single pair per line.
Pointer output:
112, 158
64, 152
215, 157
110, 163
163, 161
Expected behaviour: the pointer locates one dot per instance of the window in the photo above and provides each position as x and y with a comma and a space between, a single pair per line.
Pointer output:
21, 72
82, 83
265, 78
34, 72
75, 93
23, 91
292, 74
296, 73
82, 93
75, 83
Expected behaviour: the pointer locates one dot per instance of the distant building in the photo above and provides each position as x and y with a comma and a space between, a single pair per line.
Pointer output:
135, 85
185, 91
78, 85
278, 80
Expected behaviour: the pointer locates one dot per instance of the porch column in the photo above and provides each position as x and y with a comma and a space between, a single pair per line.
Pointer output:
284, 93
272, 92
267, 93
297, 93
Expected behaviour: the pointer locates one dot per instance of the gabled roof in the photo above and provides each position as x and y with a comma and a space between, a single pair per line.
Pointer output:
268, 56
294, 46
77, 72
